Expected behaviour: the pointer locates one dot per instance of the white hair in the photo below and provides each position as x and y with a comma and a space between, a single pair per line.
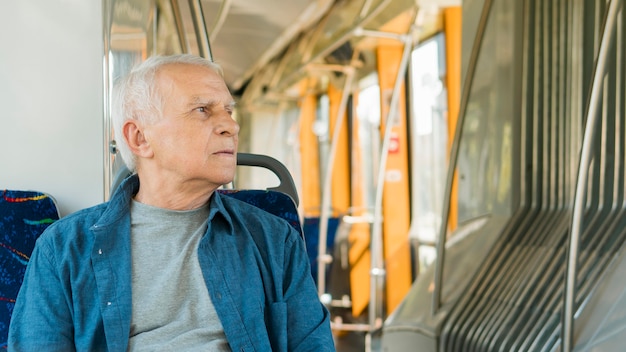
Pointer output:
136, 97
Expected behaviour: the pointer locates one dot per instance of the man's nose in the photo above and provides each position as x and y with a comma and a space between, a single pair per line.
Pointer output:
228, 125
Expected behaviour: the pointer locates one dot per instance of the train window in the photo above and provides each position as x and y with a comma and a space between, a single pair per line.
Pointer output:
429, 137
485, 166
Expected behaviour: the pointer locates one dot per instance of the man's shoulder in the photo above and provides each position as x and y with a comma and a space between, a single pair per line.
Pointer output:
86, 215
73, 225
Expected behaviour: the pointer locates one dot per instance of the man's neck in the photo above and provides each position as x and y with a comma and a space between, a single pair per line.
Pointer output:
171, 194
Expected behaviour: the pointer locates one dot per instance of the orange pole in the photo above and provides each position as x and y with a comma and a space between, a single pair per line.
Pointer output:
309, 153
340, 184
452, 20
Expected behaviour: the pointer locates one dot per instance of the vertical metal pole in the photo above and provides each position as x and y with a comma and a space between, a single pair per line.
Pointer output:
180, 27
323, 258
199, 25
581, 184
454, 152
107, 10
377, 269
221, 17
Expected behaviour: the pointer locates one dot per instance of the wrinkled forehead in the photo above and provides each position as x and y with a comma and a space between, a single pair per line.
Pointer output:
190, 80
182, 73
187, 77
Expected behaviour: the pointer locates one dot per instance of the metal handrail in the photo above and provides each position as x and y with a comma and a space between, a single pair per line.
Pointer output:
581, 183
221, 18
199, 25
180, 27
323, 259
106, 107
454, 152
309, 57
377, 269
325, 207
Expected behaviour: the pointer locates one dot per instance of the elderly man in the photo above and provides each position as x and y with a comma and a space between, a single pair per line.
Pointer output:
168, 264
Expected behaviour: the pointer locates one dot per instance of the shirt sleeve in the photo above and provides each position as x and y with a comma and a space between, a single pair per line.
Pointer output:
41, 319
308, 320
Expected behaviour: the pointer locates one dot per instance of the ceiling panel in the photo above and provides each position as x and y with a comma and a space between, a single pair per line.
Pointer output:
256, 29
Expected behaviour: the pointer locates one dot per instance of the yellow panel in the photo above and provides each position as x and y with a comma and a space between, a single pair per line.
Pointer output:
359, 256
341, 167
452, 30
396, 212
309, 153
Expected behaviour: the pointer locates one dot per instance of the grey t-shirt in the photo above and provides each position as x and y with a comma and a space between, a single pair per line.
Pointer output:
172, 310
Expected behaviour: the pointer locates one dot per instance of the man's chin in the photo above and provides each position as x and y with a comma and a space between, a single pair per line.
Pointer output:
226, 181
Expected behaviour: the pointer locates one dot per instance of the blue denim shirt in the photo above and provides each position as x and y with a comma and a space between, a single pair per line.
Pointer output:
76, 293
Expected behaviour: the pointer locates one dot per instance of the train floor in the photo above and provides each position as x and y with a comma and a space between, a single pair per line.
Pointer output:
350, 341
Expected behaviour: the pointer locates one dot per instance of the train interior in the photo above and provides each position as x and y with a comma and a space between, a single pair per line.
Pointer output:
458, 166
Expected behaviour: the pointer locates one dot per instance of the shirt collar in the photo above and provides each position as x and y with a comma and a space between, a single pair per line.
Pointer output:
121, 198
119, 203
219, 211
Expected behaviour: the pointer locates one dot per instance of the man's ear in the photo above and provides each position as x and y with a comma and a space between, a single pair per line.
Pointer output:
136, 140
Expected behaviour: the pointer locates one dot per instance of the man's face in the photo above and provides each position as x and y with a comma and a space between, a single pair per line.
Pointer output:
195, 141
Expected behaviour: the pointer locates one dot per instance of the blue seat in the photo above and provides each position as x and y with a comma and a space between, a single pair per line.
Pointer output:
281, 200
24, 215
274, 202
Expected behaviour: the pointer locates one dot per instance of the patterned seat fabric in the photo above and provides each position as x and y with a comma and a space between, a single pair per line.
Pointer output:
24, 215
274, 202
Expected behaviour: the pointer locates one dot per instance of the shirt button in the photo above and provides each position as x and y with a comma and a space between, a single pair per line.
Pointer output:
108, 303
100, 251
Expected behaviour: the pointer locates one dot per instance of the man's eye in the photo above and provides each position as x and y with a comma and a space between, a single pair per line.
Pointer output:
201, 109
